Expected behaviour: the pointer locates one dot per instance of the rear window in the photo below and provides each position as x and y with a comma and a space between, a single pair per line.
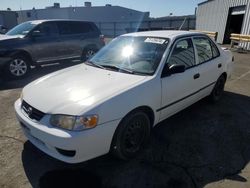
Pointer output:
69, 28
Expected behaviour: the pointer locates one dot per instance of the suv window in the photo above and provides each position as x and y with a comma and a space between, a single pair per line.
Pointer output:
68, 28
80, 27
48, 29
183, 54
204, 49
64, 28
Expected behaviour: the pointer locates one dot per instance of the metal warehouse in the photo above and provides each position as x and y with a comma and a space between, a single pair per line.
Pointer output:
224, 17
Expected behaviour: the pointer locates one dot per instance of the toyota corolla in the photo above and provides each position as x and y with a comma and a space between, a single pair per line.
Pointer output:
111, 102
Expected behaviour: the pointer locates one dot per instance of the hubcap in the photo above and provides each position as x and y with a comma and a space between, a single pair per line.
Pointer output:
18, 67
134, 135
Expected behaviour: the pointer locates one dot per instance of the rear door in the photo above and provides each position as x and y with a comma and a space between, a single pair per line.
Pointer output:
75, 36
45, 45
208, 64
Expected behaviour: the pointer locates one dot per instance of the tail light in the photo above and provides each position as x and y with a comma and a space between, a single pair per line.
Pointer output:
102, 39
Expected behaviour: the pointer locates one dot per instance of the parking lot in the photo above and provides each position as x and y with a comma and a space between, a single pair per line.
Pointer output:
206, 145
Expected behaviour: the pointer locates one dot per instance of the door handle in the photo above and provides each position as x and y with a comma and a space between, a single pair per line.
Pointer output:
196, 76
219, 65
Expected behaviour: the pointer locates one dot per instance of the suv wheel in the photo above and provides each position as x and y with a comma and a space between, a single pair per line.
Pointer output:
18, 67
131, 135
88, 53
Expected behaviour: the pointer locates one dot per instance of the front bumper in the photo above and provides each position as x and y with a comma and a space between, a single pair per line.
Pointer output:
86, 144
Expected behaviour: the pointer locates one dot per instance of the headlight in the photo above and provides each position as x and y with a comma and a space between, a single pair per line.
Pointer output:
75, 123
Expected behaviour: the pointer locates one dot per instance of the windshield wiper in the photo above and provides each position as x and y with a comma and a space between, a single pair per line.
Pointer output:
95, 65
114, 67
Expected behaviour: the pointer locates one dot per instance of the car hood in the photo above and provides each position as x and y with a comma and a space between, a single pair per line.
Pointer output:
77, 89
7, 37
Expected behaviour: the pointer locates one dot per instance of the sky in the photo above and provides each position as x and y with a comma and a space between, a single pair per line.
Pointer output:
157, 8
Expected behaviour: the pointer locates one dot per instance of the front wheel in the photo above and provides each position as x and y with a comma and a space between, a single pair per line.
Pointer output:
218, 89
131, 135
17, 68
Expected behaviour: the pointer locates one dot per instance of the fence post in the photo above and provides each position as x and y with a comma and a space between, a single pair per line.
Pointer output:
170, 23
100, 26
149, 25
188, 24
216, 36
114, 29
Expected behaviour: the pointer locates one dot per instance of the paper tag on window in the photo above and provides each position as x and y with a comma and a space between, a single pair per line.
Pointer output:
155, 40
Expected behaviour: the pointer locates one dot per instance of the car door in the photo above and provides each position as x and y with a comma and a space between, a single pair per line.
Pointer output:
208, 64
179, 90
45, 42
71, 37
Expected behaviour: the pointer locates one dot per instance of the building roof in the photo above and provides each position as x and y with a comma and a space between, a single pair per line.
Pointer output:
204, 2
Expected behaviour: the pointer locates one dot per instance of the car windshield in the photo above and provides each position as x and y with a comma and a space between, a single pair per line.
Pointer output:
135, 55
21, 29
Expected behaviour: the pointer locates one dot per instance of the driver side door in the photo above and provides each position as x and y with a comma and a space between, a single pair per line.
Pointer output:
45, 46
180, 90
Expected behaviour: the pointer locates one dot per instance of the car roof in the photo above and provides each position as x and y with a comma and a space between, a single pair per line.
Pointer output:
58, 20
164, 33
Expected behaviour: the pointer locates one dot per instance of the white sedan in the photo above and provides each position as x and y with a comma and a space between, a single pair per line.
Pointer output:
112, 101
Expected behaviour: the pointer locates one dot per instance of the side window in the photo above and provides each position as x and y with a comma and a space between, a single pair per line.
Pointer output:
215, 50
80, 27
48, 29
183, 54
64, 28
204, 49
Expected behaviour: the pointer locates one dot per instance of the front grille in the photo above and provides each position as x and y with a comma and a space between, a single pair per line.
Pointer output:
32, 113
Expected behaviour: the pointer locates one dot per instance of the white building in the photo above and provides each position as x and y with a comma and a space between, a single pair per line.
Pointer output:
224, 17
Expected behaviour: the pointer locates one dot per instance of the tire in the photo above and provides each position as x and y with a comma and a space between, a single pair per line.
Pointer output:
88, 53
218, 90
18, 67
131, 136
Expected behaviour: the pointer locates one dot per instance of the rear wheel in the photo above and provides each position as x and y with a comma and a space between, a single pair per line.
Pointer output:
218, 89
18, 67
131, 135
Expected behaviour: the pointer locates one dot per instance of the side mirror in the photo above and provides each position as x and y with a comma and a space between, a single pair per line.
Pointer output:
37, 33
173, 69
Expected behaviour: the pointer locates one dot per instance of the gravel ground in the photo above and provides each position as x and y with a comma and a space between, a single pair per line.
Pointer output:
206, 145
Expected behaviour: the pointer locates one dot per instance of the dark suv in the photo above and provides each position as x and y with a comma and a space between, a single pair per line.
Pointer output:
40, 42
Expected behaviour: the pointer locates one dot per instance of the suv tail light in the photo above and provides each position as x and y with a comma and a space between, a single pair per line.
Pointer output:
102, 39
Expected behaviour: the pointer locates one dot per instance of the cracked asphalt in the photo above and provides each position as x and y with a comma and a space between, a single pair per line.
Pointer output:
206, 145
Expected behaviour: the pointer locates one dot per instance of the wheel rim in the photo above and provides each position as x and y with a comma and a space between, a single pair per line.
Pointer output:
219, 88
134, 135
89, 54
18, 67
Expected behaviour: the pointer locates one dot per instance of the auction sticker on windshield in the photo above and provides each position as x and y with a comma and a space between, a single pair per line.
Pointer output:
155, 40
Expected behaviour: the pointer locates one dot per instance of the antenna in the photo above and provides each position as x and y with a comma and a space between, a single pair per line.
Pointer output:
183, 23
